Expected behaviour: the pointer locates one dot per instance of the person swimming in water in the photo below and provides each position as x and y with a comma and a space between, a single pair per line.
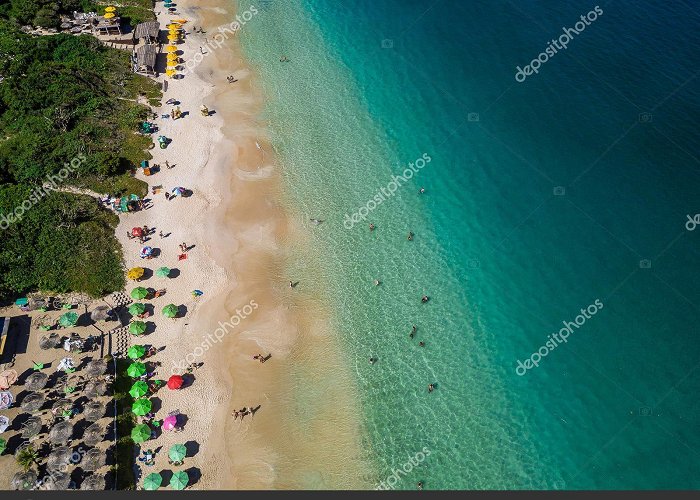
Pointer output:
371, 226
421, 190
410, 236
431, 387
372, 360
421, 343
424, 299
420, 485
413, 331
377, 282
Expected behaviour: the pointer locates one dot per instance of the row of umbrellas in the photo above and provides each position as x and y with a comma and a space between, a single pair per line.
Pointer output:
178, 481
136, 273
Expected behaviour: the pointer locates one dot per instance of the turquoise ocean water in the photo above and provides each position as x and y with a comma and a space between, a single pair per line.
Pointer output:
541, 198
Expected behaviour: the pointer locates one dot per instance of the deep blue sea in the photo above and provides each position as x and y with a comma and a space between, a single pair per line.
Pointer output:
541, 198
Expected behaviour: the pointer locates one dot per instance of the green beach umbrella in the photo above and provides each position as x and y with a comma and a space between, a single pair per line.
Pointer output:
177, 452
137, 308
136, 351
170, 311
139, 389
139, 293
141, 406
140, 433
68, 319
3, 445
163, 272
152, 481
135, 370
179, 480
137, 327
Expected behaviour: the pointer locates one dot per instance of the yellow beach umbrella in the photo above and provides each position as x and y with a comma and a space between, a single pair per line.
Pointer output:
173, 26
171, 48
172, 64
170, 72
110, 15
172, 56
172, 38
173, 32
110, 9
135, 273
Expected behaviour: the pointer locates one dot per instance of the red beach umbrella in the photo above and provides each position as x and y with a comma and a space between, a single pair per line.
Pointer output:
175, 382
137, 231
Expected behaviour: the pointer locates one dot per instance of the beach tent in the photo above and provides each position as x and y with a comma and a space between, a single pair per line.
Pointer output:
136, 370
139, 293
177, 452
179, 480
152, 481
170, 311
137, 308
135, 273
141, 406
141, 433
175, 382
68, 319
135, 352
137, 327
163, 272
139, 389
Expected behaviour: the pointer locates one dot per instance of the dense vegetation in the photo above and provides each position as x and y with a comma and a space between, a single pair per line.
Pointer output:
65, 99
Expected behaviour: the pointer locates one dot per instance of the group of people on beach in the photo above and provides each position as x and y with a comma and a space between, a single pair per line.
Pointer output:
245, 411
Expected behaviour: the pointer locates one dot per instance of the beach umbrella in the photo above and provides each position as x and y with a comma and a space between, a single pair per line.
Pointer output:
172, 38
68, 319
101, 313
31, 427
152, 481
136, 351
93, 434
93, 459
175, 382
7, 378
170, 72
110, 15
95, 388
110, 9
172, 63
36, 381
141, 433
62, 404
163, 272
146, 252
137, 231
96, 367
139, 293
177, 452
170, 311
4, 423
172, 56
57, 480
179, 480
135, 273
171, 48
93, 410
139, 389
173, 26
137, 327
169, 422
135, 370
61, 432
32, 401
24, 481
6, 400
141, 406
137, 308
3, 445
96, 482
178, 191
59, 457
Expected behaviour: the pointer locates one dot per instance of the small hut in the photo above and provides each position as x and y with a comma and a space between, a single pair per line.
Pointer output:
146, 33
145, 59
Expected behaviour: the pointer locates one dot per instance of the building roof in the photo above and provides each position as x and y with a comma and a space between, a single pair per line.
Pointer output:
146, 56
147, 29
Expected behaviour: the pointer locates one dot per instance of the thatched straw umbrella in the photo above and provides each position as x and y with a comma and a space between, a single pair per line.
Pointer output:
36, 381
62, 404
56, 480
100, 313
94, 482
93, 411
31, 427
96, 388
93, 459
32, 401
60, 457
50, 342
93, 434
23, 481
96, 367
61, 432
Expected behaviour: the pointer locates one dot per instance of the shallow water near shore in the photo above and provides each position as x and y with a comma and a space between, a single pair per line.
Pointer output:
533, 209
